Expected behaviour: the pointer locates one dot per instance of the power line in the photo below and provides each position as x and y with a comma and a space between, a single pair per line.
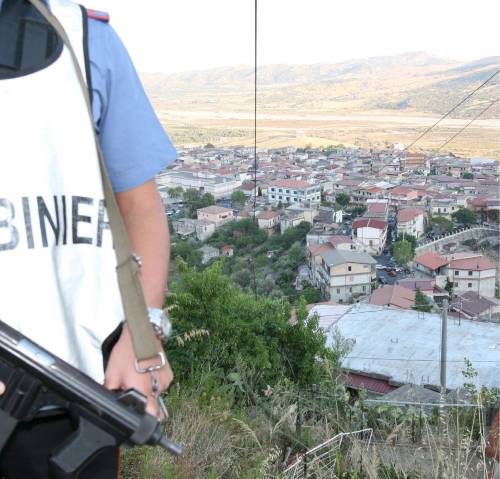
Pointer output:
473, 120
423, 360
255, 116
452, 110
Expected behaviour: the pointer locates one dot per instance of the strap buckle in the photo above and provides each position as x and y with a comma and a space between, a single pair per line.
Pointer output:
154, 367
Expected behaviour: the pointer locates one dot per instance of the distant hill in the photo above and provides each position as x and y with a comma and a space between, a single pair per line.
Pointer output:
410, 83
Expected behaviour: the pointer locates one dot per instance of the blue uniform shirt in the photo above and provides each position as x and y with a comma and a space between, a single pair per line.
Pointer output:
134, 144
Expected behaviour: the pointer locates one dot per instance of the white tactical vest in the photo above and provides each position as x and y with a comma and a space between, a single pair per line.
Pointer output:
58, 283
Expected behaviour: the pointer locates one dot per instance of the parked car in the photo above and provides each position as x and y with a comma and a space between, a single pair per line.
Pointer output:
380, 266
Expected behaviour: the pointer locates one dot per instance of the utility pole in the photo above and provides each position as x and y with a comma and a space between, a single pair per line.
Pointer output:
441, 425
444, 340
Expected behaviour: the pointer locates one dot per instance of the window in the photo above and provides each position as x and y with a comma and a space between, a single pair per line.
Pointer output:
294, 192
280, 197
455, 284
349, 268
288, 198
273, 196
280, 190
456, 273
287, 191
470, 273
295, 199
338, 290
272, 189
364, 288
469, 285
350, 290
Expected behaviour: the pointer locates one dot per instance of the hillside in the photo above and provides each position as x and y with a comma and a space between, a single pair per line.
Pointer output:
412, 85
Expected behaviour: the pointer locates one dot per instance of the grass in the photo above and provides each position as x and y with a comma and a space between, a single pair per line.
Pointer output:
251, 442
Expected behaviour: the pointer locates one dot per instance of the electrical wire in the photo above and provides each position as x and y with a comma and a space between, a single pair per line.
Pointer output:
452, 110
255, 116
473, 120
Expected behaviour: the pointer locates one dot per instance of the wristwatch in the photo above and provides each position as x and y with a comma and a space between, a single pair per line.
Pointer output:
161, 323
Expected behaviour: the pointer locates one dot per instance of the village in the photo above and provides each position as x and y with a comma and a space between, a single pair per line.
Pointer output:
394, 234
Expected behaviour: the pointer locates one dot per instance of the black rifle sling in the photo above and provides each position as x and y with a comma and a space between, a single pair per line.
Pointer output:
128, 268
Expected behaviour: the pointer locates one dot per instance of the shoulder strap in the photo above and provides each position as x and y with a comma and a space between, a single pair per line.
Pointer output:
128, 268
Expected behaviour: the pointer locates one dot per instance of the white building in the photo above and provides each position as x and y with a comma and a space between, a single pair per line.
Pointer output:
217, 185
218, 214
293, 191
209, 253
411, 221
369, 235
472, 273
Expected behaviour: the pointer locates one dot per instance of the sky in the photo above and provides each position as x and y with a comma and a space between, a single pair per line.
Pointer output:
182, 35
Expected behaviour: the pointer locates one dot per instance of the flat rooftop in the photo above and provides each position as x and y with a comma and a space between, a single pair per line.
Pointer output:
404, 345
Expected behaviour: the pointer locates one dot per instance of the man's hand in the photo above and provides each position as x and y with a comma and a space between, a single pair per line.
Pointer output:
121, 373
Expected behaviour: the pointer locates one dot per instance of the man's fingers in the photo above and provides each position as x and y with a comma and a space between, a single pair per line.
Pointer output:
112, 381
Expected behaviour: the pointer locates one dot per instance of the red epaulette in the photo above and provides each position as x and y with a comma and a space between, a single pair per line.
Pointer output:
97, 15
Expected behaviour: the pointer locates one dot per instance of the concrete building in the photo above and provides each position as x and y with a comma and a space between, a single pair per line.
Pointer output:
431, 266
474, 273
184, 226
415, 162
344, 275
216, 214
208, 253
293, 191
268, 220
443, 207
369, 235
411, 221
204, 229
217, 185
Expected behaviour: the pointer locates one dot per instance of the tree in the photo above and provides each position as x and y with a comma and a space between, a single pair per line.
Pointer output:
421, 303
342, 199
241, 330
493, 216
465, 216
175, 192
403, 252
238, 197
440, 225
467, 176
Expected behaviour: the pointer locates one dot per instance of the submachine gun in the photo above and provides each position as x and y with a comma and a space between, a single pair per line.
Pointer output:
35, 379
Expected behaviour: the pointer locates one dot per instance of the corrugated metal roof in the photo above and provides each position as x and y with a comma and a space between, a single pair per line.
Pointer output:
404, 345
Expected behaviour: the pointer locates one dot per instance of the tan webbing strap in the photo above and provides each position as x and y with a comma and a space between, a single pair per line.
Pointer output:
128, 269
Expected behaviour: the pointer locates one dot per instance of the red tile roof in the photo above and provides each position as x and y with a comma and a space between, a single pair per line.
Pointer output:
479, 263
339, 239
316, 249
369, 223
393, 296
431, 260
356, 381
408, 214
402, 190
